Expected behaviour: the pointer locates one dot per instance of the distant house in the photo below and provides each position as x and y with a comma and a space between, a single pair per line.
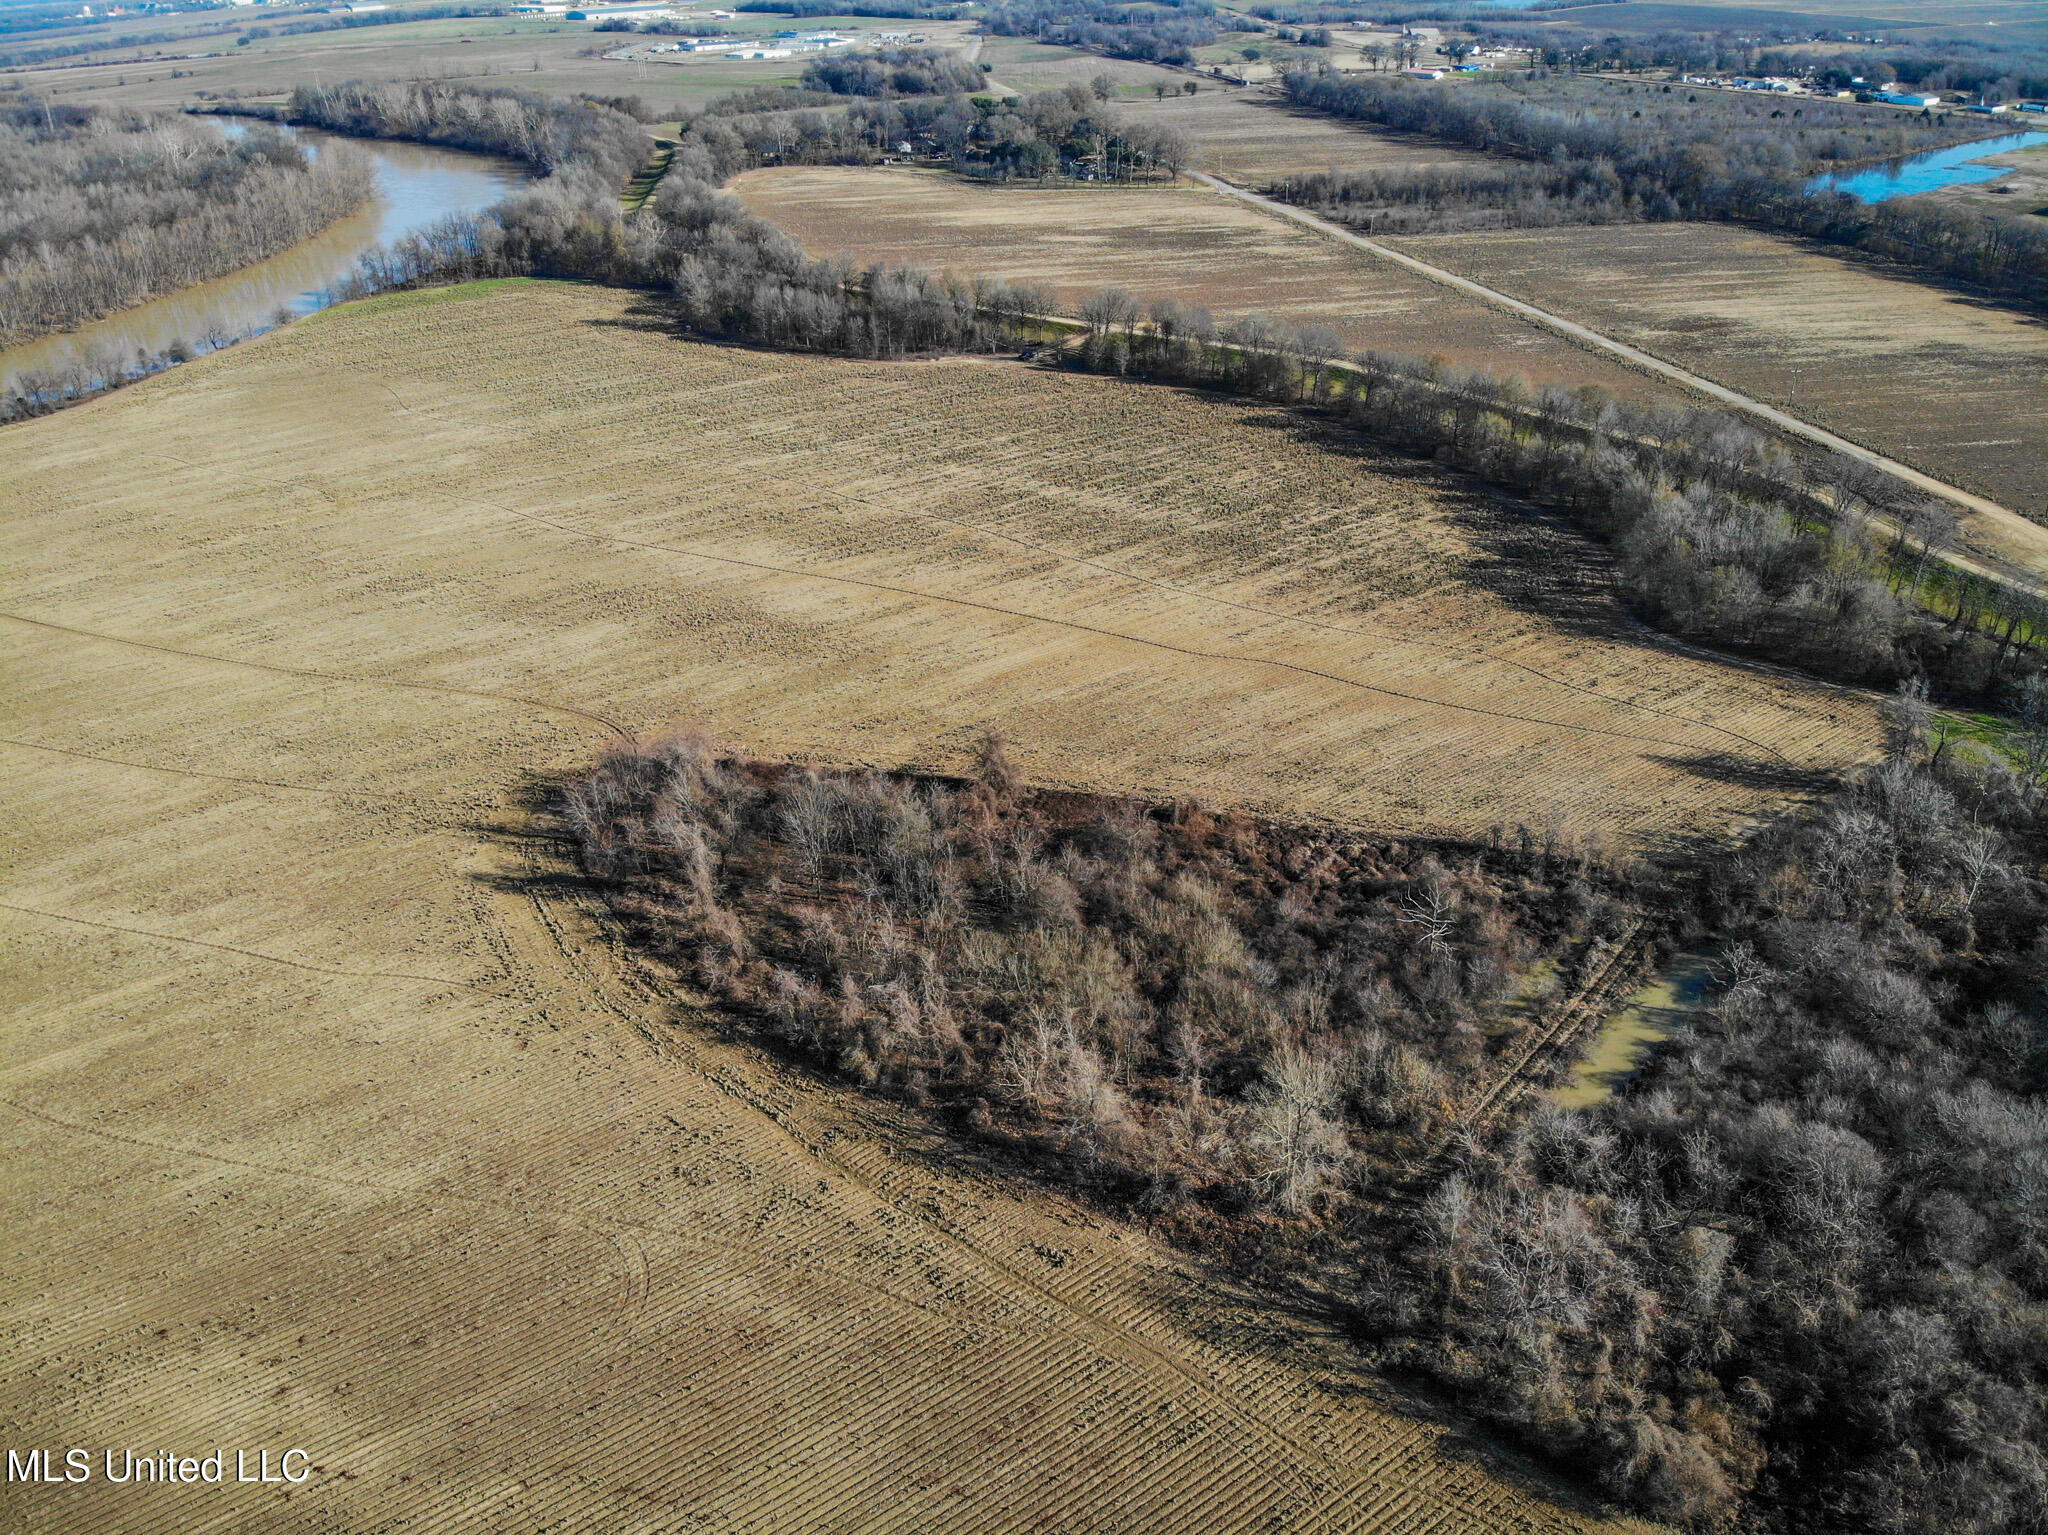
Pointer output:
1988, 109
1908, 99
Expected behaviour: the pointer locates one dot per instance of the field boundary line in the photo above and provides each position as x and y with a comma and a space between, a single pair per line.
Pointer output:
262, 783
299, 671
596, 1225
1225, 657
2005, 517
270, 959
1440, 646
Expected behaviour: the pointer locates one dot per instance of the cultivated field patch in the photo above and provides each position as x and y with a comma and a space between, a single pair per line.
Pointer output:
1956, 387
1187, 243
335, 1123
1255, 138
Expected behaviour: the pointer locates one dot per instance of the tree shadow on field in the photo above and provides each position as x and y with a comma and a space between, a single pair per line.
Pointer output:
540, 865
649, 313
1530, 557
1770, 777
1324, 1343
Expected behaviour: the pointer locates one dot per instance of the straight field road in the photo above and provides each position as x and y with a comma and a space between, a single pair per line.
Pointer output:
2026, 541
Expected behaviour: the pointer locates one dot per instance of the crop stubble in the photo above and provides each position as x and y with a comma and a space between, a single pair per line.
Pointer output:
1253, 137
1187, 243
330, 1122
1953, 385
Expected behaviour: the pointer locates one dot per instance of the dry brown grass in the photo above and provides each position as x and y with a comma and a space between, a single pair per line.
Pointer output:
1188, 243
328, 1123
490, 51
1253, 137
1954, 386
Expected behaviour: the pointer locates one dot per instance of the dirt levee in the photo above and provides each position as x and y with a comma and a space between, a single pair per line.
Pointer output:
332, 1122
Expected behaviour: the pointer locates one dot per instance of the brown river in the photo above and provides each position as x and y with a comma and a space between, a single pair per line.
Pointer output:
416, 186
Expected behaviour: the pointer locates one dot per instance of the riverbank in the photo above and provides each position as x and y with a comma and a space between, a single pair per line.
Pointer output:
415, 186
99, 216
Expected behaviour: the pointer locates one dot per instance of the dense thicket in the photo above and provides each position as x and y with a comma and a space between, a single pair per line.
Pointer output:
1648, 152
100, 213
1801, 1268
1165, 32
893, 72
1188, 1009
1794, 1278
573, 139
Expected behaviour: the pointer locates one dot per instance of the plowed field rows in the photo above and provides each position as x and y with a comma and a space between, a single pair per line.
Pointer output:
1252, 136
1188, 243
1956, 387
331, 1120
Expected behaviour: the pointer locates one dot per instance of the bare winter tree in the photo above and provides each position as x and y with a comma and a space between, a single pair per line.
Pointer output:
1292, 1141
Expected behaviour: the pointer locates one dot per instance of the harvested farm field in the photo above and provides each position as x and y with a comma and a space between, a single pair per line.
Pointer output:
1954, 385
335, 1118
1190, 243
1255, 138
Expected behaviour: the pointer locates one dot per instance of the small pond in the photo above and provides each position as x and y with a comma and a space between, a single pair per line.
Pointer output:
1925, 173
1649, 1018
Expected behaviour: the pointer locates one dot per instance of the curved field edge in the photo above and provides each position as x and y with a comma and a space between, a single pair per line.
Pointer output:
343, 1124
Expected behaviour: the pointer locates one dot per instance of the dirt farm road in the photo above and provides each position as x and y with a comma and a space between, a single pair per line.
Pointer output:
2026, 542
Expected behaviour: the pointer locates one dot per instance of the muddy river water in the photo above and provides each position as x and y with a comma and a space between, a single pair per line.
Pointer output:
417, 186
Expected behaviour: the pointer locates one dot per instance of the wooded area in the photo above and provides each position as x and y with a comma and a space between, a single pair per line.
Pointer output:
1165, 33
1599, 151
1795, 1273
99, 213
1798, 1269
1129, 989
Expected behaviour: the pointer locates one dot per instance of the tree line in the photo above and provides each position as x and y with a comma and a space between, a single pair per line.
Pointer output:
1720, 534
1656, 154
575, 139
100, 212
893, 72
1168, 32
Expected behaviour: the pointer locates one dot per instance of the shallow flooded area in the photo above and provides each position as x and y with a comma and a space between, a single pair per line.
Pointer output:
1625, 1041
